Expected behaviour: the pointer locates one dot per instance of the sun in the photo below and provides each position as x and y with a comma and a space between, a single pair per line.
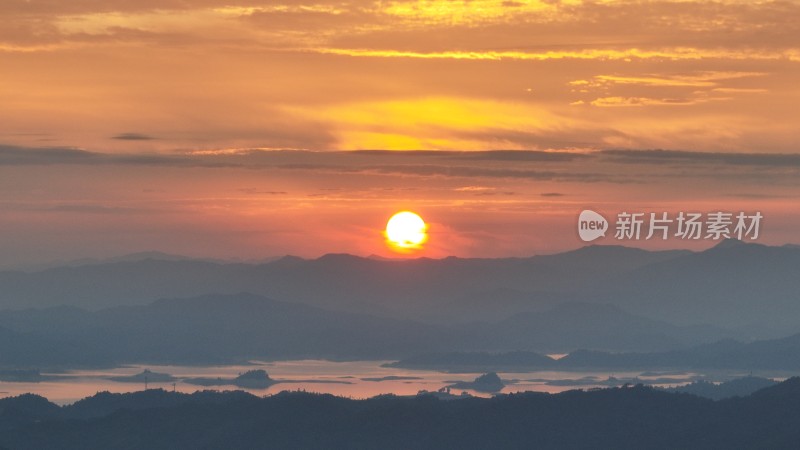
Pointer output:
406, 231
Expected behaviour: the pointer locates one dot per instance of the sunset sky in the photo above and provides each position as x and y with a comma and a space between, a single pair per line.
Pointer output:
227, 129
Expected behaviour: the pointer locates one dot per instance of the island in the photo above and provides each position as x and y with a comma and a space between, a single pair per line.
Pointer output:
252, 379
488, 382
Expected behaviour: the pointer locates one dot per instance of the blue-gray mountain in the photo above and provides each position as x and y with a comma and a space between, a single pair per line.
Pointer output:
215, 329
341, 306
750, 289
774, 354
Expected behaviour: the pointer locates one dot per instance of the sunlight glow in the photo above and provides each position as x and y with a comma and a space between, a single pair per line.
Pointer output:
406, 231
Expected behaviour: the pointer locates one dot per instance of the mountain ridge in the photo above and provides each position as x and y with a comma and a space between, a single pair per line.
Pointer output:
622, 418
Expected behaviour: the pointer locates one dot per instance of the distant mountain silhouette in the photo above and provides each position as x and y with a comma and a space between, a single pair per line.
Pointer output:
739, 387
774, 354
786, 391
733, 285
593, 325
214, 329
416, 288
600, 298
749, 288
208, 329
218, 329
620, 418
730, 243
594, 258
131, 257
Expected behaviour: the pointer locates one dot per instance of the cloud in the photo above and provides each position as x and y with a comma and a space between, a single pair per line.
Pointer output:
702, 79
737, 159
324, 19
132, 137
425, 29
494, 193
207, 75
606, 102
257, 191
752, 195
13, 155
80, 208
452, 123
740, 90
474, 189
670, 53
489, 155
45, 7
605, 166
523, 155
466, 172
478, 29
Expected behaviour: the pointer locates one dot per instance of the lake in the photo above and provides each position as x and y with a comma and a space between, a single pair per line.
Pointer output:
355, 379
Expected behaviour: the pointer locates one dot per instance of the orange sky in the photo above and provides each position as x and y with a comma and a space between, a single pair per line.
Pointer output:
127, 126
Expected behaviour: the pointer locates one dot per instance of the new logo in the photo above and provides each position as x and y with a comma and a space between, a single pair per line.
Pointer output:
591, 225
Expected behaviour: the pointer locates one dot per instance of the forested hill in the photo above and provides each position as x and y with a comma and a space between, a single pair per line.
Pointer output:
620, 418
